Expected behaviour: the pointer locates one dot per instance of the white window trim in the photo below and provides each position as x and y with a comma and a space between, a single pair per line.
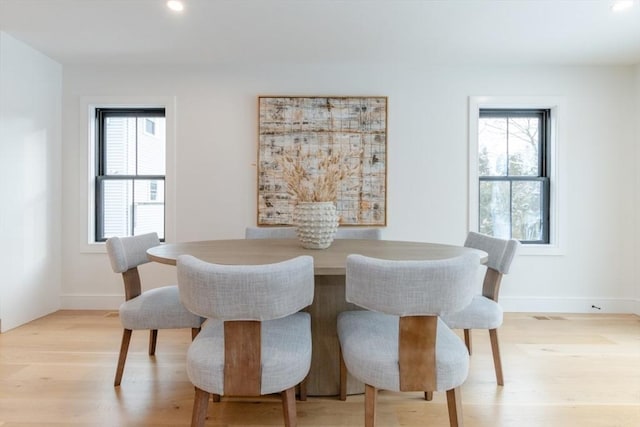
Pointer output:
557, 212
87, 137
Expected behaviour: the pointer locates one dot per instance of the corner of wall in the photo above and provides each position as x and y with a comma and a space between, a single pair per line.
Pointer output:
30, 182
636, 277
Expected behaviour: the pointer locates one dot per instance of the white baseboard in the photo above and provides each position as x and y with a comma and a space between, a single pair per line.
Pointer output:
509, 304
570, 305
91, 302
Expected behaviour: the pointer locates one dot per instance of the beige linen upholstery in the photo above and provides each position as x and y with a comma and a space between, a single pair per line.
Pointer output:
255, 341
157, 308
290, 233
398, 343
484, 312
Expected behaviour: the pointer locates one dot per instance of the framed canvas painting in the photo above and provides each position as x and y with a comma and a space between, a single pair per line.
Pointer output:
348, 133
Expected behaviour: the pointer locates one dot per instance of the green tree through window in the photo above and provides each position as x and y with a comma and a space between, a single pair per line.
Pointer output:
513, 174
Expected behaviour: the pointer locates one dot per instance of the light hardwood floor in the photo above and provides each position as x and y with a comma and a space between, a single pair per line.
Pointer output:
560, 370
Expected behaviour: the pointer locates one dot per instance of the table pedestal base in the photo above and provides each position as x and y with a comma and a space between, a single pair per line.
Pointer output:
328, 302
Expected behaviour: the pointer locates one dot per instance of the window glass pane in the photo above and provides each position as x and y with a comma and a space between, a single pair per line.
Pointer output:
120, 146
495, 215
523, 146
492, 150
151, 147
132, 143
130, 207
527, 210
148, 213
117, 200
512, 146
150, 126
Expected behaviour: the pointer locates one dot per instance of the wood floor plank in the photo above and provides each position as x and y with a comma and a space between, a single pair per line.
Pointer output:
560, 370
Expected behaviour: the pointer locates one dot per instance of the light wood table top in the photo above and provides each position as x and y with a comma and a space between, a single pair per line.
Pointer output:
327, 262
329, 293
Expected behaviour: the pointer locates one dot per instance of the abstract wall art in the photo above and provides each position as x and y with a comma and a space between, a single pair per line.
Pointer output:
317, 132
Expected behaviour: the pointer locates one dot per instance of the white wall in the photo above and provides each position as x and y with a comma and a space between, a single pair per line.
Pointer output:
427, 144
637, 215
30, 183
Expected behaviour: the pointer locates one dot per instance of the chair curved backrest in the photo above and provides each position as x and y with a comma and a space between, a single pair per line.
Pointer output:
245, 292
501, 251
408, 288
129, 252
358, 233
270, 233
364, 233
126, 254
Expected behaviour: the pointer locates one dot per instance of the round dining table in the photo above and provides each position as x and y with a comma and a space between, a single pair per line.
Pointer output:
329, 293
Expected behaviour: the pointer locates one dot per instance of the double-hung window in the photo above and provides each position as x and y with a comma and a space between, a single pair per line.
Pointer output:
513, 174
130, 172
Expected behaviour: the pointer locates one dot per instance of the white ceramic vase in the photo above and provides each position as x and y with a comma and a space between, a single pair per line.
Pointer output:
317, 223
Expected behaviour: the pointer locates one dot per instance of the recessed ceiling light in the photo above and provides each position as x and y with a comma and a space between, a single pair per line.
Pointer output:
175, 5
620, 5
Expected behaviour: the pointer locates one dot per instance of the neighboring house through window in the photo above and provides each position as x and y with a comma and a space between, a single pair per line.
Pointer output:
130, 172
150, 126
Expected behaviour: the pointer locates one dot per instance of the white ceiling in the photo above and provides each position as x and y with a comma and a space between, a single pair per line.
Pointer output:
327, 31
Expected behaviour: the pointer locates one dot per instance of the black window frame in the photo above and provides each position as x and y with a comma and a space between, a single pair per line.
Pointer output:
101, 115
544, 163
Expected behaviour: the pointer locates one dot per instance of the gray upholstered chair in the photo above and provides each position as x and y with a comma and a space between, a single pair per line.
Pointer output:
398, 342
154, 309
255, 341
362, 233
270, 233
484, 312
286, 232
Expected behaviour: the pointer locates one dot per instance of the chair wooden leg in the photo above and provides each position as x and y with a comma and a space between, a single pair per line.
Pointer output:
428, 395
454, 404
370, 400
289, 407
194, 333
497, 362
467, 339
153, 337
215, 397
303, 389
343, 378
124, 348
200, 403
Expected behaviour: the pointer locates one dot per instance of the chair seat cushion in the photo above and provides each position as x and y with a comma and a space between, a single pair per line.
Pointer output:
158, 308
286, 354
482, 313
369, 344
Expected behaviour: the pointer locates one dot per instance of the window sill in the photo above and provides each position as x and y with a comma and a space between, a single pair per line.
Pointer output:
541, 250
93, 248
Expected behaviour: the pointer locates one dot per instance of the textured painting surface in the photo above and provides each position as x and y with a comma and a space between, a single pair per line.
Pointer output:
354, 126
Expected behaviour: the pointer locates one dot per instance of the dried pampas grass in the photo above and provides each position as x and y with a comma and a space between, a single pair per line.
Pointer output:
315, 176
